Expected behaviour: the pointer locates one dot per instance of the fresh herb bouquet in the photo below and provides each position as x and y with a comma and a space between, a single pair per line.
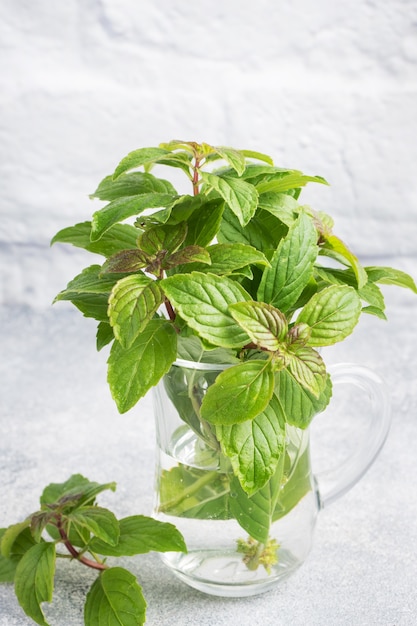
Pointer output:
233, 273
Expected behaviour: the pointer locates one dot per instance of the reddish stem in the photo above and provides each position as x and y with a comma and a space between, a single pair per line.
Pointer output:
75, 553
170, 310
196, 181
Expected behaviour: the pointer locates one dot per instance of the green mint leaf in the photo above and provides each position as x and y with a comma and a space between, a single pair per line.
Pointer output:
331, 314
239, 393
21, 544
235, 158
193, 493
122, 208
281, 205
91, 305
263, 232
190, 254
165, 237
370, 292
299, 405
7, 566
118, 237
132, 304
132, 372
202, 300
374, 310
75, 492
390, 276
255, 446
292, 180
297, 479
34, 580
254, 513
340, 251
204, 222
291, 266
104, 335
98, 521
240, 196
126, 261
140, 534
10, 535
90, 281
266, 326
260, 156
308, 369
115, 599
140, 157
226, 258
131, 185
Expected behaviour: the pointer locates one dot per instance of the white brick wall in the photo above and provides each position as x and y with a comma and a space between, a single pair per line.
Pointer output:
327, 87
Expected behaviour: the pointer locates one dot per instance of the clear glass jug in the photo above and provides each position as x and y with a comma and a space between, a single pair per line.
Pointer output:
240, 545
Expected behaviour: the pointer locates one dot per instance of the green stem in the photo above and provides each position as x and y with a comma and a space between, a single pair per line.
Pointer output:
189, 491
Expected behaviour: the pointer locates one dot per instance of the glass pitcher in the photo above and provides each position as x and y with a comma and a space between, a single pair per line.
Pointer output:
240, 545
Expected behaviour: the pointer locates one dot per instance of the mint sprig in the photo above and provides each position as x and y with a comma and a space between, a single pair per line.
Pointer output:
69, 523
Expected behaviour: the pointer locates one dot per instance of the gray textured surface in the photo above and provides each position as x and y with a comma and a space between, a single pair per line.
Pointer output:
56, 418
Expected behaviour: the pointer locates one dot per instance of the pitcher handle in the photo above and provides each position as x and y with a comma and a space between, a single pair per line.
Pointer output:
335, 482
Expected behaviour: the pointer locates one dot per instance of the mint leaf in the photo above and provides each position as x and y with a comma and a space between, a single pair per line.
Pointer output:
10, 535
226, 258
308, 369
235, 158
115, 599
241, 197
283, 206
331, 314
292, 180
187, 491
298, 404
140, 157
132, 372
118, 237
164, 237
104, 335
390, 276
255, 446
203, 300
131, 185
22, 543
98, 521
34, 580
340, 251
204, 223
265, 325
74, 492
239, 393
89, 281
263, 231
140, 534
291, 266
260, 156
132, 304
189, 254
254, 513
126, 261
120, 209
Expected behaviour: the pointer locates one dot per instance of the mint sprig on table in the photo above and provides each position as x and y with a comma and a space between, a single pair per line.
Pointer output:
237, 271
70, 524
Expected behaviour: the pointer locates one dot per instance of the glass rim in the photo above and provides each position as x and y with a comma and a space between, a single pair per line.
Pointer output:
199, 365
